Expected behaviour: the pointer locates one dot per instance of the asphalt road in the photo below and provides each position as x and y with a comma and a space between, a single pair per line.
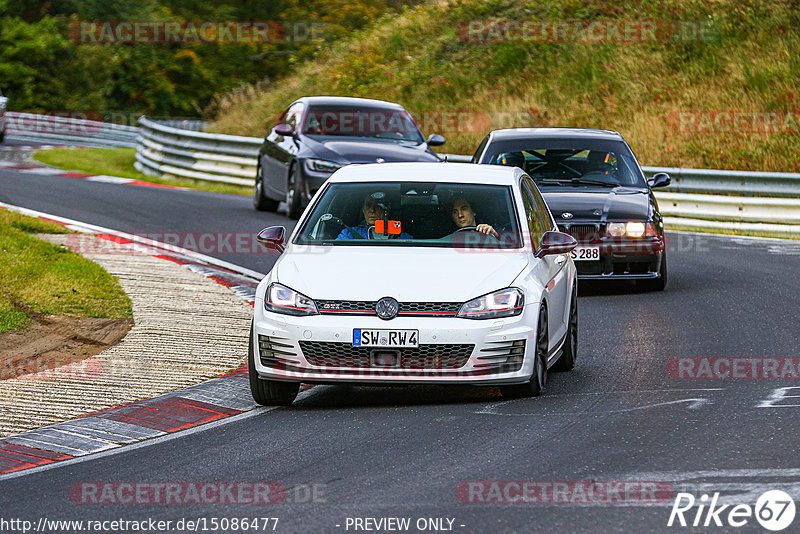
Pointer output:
405, 451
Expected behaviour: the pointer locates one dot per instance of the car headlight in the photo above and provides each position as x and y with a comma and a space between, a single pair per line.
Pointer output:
321, 165
281, 299
504, 303
630, 229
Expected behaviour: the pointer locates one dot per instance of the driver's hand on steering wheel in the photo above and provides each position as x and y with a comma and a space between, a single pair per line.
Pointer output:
487, 229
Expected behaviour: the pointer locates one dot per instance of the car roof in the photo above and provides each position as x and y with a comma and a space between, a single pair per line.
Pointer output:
346, 101
549, 133
467, 173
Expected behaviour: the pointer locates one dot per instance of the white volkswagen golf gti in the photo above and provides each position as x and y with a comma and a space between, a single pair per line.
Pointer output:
408, 273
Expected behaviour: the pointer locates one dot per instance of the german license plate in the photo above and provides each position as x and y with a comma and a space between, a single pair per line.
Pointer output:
585, 253
363, 337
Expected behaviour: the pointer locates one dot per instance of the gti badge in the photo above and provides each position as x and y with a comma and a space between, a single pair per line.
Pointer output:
566, 215
387, 308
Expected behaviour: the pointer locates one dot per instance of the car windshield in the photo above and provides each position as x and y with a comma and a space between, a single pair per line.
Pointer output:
390, 124
573, 166
413, 214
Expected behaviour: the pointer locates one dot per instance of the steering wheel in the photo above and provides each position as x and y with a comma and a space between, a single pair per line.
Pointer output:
473, 229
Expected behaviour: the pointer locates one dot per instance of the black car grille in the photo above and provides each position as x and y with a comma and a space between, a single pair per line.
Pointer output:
407, 309
433, 356
584, 233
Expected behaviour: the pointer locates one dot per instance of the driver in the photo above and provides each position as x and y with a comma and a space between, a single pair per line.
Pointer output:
372, 209
464, 217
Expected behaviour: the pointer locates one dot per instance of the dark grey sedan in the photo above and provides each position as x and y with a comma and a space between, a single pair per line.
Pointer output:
317, 135
597, 192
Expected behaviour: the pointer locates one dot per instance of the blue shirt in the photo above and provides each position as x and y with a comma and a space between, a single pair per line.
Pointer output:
363, 233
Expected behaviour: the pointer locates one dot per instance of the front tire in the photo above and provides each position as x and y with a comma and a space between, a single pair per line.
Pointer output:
534, 386
569, 354
268, 392
294, 195
260, 202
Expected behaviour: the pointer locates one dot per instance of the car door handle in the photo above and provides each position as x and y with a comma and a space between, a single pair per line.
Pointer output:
560, 259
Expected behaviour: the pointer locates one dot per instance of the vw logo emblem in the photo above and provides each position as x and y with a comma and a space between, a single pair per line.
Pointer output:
566, 215
387, 308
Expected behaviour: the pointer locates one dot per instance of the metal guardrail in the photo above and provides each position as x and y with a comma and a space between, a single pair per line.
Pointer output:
699, 198
712, 181
55, 129
163, 150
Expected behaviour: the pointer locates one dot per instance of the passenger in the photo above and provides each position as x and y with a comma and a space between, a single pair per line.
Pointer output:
373, 210
464, 217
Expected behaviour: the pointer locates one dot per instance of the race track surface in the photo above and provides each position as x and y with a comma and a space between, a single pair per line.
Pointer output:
624, 413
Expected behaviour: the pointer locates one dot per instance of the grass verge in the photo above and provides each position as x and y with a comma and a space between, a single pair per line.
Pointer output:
728, 231
672, 97
119, 162
37, 277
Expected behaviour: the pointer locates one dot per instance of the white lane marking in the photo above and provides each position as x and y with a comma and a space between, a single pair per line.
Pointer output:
778, 395
91, 228
492, 409
109, 179
693, 405
42, 170
732, 491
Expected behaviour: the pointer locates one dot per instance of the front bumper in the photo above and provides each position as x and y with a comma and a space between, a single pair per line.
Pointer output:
620, 258
624, 260
492, 356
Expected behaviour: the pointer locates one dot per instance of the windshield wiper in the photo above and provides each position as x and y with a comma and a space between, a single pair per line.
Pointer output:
590, 182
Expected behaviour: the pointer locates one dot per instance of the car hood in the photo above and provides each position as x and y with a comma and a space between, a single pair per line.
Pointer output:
598, 204
408, 275
369, 151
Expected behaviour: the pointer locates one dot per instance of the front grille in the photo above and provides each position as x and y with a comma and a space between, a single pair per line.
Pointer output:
584, 233
407, 309
432, 356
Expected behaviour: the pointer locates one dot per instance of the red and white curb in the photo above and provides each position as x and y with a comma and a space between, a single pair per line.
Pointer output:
26, 168
210, 401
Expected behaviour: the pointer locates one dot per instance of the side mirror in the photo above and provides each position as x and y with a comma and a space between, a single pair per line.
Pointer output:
273, 237
435, 140
660, 179
556, 243
283, 129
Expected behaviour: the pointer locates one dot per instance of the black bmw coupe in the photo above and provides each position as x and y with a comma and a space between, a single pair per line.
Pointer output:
597, 192
317, 135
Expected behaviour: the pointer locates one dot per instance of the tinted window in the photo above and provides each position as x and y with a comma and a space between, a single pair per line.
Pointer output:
412, 214
480, 149
569, 162
532, 215
544, 212
371, 122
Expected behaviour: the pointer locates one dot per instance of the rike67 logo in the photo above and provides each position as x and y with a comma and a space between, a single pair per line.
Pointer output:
774, 510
